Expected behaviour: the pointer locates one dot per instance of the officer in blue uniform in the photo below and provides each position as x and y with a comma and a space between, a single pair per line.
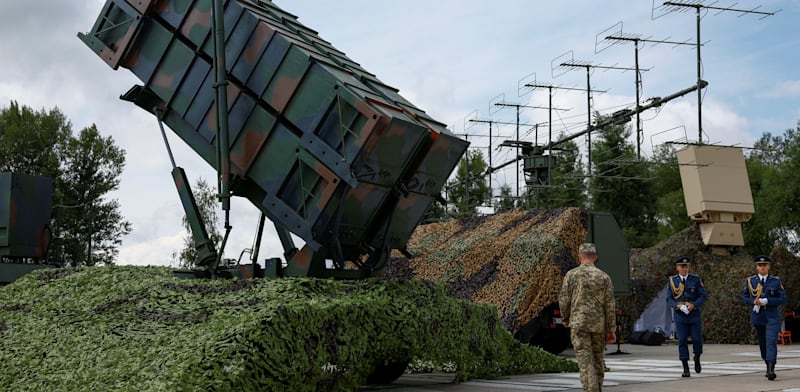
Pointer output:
764, 292
687, 294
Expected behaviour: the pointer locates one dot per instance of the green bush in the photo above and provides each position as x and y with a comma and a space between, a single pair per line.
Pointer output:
141, 328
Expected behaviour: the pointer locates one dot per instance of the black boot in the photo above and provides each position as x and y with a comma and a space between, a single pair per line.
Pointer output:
771, 371
697, 367
685, 363
766, 374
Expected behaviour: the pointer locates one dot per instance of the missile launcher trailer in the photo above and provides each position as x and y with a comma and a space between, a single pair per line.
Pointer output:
322, 147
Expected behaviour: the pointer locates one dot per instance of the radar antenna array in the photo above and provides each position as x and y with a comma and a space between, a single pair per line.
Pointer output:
610, 37
669, 7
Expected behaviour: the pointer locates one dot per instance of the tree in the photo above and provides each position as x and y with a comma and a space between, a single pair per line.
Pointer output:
505, 202
568, 178
87, 226
469, 189
668, 188
619, 185
207, 204
90, 232
31, 142
436, 212
763, 231
772, 168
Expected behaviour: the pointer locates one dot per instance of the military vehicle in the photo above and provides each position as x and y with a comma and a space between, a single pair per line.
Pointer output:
326, 150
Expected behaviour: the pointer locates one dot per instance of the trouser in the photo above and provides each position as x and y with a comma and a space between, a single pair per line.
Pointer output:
768, 339
683, 331
589, 348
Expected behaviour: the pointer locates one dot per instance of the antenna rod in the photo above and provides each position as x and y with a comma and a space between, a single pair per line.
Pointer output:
699, 90
490, 122
638, 103
517, 106
697, 7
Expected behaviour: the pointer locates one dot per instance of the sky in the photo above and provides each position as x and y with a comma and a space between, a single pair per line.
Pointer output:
454, 59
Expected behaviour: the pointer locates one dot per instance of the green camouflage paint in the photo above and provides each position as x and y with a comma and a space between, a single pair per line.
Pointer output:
324, 148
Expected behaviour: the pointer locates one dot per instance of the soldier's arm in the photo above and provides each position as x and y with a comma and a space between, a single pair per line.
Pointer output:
610, 307
746, 298
564, 300
701, 294
671, 301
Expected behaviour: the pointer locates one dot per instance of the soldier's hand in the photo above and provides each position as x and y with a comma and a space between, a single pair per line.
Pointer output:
690, 306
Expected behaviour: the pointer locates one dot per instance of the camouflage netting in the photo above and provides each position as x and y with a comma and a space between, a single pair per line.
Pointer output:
141, 328
515, 260
725, 318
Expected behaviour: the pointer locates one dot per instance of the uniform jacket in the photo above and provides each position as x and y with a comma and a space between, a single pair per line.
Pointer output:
692, 292
772, 290
586, 299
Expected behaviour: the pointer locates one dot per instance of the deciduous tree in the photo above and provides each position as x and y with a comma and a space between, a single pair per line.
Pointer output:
469, 189
87, 225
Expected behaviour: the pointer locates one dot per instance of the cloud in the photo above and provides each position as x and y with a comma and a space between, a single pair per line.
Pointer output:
157, 251
784, 89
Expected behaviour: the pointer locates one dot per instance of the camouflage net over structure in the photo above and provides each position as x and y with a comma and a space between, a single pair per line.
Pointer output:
142, 329
725, 318
514, 260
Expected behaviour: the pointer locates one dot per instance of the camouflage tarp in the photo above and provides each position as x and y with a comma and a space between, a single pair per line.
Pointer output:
514, 260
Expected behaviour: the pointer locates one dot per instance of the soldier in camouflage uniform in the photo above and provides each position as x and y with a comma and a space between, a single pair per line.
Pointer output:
587, 307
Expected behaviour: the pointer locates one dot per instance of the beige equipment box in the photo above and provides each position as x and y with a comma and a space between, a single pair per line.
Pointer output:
717, 192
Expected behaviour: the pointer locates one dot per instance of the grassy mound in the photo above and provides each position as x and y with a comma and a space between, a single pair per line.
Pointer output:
140, 328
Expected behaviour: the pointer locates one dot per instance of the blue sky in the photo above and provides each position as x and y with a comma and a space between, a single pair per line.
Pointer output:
450, 58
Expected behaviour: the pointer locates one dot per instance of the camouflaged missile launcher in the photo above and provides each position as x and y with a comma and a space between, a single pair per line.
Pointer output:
319, 144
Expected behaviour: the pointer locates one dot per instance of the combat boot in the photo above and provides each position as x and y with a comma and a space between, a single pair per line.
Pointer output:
685, 363
771, 371
697, 367
766, 374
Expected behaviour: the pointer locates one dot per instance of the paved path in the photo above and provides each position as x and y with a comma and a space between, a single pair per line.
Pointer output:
728, 368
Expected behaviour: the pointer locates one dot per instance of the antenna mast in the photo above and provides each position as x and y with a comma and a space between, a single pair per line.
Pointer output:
608, 39
675, 6
570, 64
503, 103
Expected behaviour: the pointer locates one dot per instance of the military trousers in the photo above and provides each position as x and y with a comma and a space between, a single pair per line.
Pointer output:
768, 338
684, 329
589, 348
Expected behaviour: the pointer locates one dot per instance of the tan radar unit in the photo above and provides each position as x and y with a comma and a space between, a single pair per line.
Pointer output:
716, 189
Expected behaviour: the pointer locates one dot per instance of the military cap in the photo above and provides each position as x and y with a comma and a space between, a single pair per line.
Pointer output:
587, 248
762, 259
683, 260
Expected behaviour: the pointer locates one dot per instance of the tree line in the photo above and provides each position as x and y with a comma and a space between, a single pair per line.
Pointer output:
87, 225
644, 194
